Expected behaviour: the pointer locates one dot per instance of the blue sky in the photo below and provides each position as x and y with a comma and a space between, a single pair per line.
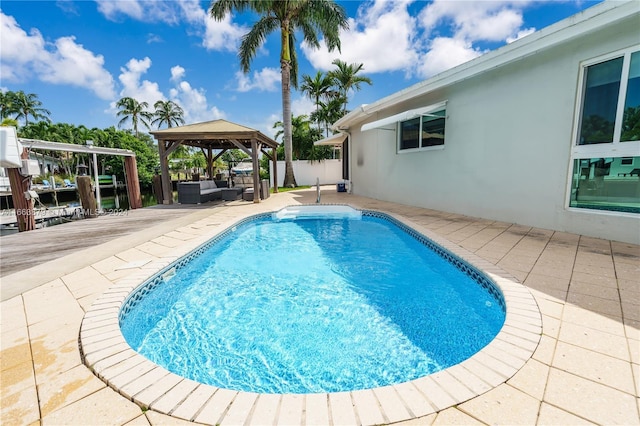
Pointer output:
80, 57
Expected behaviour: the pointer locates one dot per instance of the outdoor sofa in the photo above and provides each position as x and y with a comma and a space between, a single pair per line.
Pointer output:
200, 192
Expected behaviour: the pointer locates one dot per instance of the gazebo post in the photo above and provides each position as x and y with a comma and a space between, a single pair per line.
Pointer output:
256, 170
210, 162
274, 159
167, 193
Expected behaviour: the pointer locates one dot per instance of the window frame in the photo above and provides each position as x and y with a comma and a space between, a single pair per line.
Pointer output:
614, 149
430, 109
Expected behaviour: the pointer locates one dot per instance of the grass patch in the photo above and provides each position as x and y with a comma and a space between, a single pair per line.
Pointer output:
283, 189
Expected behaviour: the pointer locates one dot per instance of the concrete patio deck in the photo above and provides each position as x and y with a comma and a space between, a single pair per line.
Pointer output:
585, 370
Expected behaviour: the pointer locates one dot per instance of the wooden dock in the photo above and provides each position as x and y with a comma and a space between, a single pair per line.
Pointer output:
21, 251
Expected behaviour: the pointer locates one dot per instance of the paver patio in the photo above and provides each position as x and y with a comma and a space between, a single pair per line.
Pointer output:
585, 370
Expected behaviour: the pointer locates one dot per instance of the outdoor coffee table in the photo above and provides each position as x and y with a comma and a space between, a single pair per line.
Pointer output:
230, 194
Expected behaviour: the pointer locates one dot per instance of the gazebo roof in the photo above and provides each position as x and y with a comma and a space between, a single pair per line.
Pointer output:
216, 134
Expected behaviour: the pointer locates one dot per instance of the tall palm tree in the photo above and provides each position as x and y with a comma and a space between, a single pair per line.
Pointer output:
134, 110
310, 17
317, 88
346, 78
168, 112
24, 105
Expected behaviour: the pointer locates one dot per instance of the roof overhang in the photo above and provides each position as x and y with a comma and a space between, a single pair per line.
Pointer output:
70, 147
332, 140
403, 116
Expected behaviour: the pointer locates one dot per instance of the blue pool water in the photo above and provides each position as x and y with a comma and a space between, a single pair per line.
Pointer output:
315, 305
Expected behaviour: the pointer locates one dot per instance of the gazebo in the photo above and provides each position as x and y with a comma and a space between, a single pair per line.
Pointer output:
219, 136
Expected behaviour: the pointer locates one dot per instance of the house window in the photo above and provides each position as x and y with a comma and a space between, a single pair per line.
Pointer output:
602, 110
607, 143
410, 134
433, 129
605, 184
425, 131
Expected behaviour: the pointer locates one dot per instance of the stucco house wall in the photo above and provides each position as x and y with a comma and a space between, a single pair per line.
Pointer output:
508, 138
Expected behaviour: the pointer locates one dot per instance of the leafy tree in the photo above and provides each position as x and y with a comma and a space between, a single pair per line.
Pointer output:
23, 105
303, 137
169, 113
329, 112
7, 106
178, 159
9, 122
631, 124
310, 17
146, 152
318, 88
347, 79
131, 109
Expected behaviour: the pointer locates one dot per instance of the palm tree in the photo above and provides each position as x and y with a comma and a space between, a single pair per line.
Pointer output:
134, 110
167, 112
7, 106
299, 130
329, 112
346, 78
9, 122
38, 130
317, 88
24, 105
307, 16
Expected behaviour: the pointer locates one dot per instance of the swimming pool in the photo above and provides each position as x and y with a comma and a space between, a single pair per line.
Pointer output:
323, 303
107, 354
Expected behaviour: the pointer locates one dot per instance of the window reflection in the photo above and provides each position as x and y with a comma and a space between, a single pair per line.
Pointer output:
410, 134
606, 184
601, 92
631, 120
423, 132
433, 130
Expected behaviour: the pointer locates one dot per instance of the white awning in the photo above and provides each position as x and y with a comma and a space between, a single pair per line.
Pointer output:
332, 140
403, 116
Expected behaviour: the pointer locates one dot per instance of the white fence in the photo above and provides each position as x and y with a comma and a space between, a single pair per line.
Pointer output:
328, 171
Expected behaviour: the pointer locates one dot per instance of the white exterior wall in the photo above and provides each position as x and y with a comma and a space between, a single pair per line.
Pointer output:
328, 171
509, 132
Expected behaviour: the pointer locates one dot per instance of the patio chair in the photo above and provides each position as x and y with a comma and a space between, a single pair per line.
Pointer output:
46, 184
68, 184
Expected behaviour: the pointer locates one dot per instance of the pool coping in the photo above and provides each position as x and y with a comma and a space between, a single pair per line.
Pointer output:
105, 351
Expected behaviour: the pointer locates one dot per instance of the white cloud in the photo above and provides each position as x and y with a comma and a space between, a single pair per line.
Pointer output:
132, 86
63, 62
19, 49
167, 12
445, 53
222, 35
473, 21
265, 80
113, 9
385, 37
177, 73
154, 38
193, 101
72, 64
381, 37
